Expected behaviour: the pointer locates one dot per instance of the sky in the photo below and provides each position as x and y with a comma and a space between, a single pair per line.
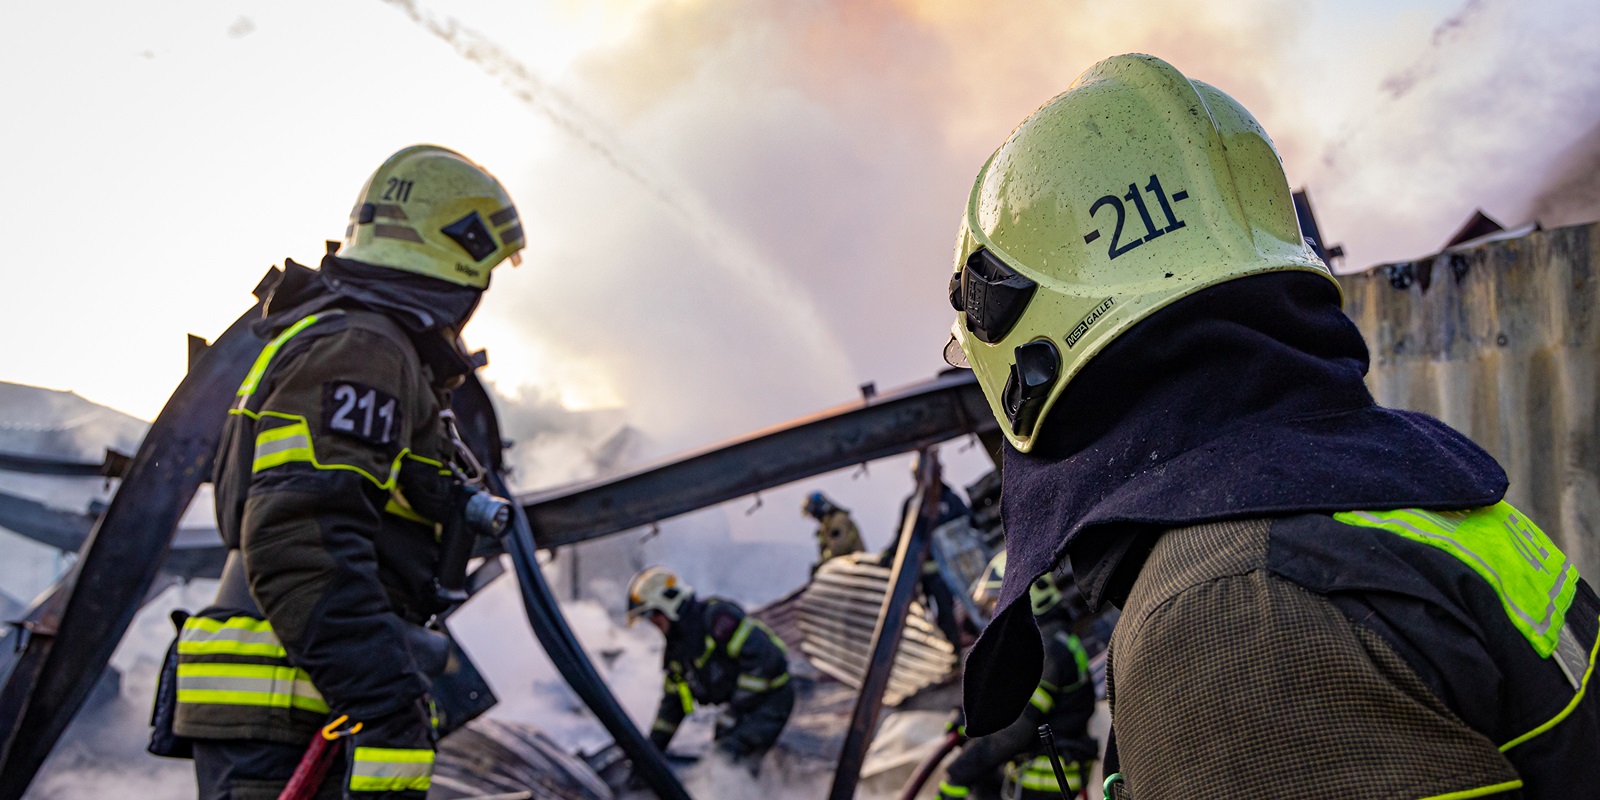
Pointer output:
737, 210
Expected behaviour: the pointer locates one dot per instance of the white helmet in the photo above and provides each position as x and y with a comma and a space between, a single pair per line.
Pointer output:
656, 589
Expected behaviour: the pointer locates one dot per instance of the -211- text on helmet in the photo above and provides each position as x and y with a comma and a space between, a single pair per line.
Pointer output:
1134, 188
431, 211
656, 589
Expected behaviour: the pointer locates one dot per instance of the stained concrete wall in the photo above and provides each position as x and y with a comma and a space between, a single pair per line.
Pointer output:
1502, 341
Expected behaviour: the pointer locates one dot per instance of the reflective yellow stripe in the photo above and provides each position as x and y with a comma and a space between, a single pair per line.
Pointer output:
711, 646
1081, 656
736, 642
740, 634
394, 507
237, 636
252, 379
248, 685
1533, 578
952, 790
1038, 775
685, 697
389, 769
752, 683
1576, 699
1480, 792
1042, 700
664, 726
278, 446
394, 467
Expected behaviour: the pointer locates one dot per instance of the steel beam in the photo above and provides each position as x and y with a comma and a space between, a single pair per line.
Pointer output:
913, 418
908, 558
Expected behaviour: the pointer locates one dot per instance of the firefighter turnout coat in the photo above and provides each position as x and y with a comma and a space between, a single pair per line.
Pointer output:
716, 654
309, 494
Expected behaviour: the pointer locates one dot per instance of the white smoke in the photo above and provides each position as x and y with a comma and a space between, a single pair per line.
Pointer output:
1486, 115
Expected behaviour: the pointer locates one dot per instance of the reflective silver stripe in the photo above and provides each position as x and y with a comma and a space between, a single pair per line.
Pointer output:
1042, 700
752, 683
1571, 656
394, 769
242, 636
297, 441
384, 769
298, 687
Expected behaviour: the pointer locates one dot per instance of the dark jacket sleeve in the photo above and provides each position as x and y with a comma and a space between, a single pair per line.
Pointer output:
760, 658
315, 504
1246, 664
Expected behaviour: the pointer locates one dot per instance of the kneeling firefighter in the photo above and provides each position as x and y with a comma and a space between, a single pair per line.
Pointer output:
1064, 700
343, 491
716, 654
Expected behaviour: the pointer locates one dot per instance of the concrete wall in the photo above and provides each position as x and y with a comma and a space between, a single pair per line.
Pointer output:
1502, 341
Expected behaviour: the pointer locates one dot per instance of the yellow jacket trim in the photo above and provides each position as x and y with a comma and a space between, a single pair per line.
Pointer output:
685, 697
1484, 791
1576, 699
1042, 700
1533, 578
952, 790
751, 683
388, 769
278, 446
237, 636
249, 685
742, 633
394, 507
1039, 775
279, 454
252, 379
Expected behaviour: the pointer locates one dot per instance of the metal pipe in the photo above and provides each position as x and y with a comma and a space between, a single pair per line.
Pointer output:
907, 568
951, 741
551, 627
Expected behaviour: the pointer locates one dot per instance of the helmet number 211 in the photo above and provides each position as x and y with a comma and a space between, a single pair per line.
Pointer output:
1133, 196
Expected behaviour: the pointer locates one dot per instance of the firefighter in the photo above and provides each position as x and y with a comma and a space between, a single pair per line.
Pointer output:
331, 482
1320, 597
715, 655
1064, 700
836, 531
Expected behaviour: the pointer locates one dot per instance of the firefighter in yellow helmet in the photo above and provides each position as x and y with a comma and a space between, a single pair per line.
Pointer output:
715, 655
1320, 597
334, 477
837, 534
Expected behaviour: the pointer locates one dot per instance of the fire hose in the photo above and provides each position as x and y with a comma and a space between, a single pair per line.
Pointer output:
926, 770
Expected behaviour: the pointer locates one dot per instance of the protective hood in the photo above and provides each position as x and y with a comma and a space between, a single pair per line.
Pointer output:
429, 310
1245, 400
418, 302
